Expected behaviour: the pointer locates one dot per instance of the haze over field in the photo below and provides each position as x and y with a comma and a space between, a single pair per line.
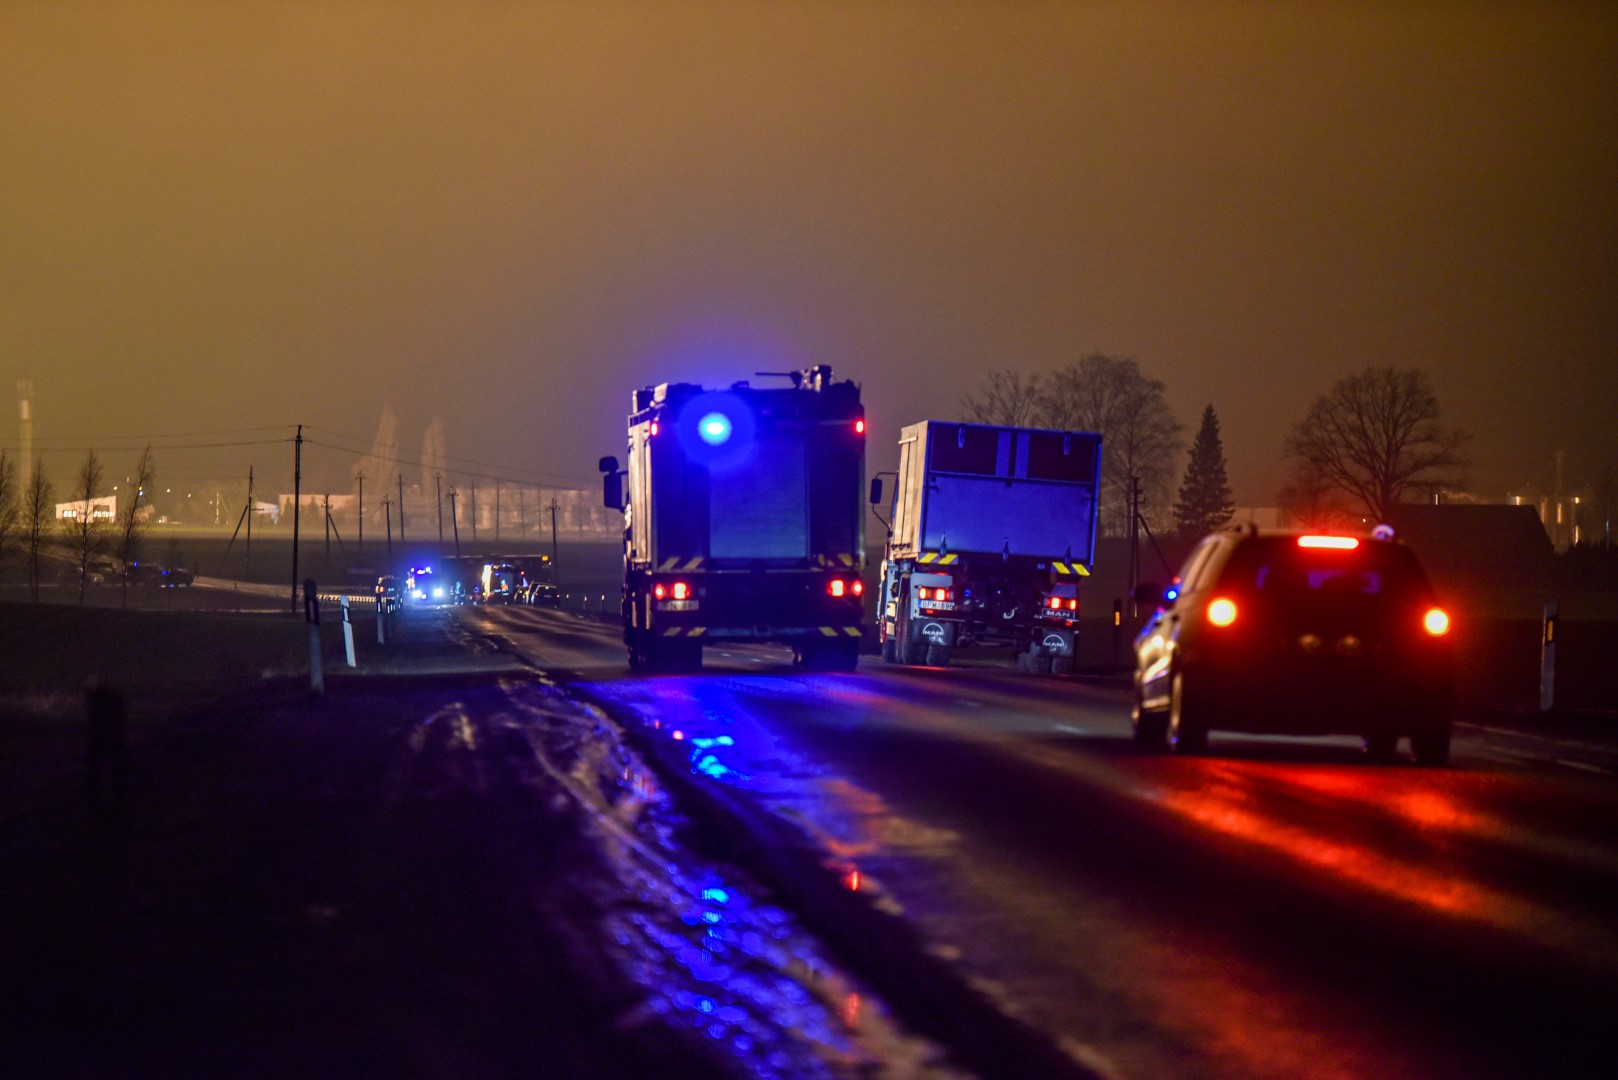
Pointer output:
215, 218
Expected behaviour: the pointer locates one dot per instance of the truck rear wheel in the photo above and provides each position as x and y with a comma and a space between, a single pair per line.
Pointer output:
938, 655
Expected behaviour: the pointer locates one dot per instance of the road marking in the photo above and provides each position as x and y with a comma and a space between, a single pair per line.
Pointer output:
970, 704
1586, 766
1069, 729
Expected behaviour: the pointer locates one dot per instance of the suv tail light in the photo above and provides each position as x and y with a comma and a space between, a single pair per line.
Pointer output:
1338, 543
1222, 611
1435, 621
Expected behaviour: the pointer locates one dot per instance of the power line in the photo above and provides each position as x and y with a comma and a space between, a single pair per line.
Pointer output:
457, 469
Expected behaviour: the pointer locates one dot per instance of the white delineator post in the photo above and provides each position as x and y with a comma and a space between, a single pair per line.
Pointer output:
348, 633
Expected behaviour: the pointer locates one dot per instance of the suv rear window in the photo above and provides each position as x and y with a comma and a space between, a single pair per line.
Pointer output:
1277, 568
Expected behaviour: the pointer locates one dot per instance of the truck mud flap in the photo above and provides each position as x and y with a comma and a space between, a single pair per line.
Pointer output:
1053, 642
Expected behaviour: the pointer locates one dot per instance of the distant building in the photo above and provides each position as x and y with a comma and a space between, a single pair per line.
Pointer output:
102, 509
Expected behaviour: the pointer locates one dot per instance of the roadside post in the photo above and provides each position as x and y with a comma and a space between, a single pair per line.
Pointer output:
311, 616
381, 622
1547, 659
348, 633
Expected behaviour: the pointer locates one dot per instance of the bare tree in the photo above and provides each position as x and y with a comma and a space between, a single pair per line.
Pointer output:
36, 516
130, 524
1372, 440
8, 504
1140, 436
83, 529
1006, 397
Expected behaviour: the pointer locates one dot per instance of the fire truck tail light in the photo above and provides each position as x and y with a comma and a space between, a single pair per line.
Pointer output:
654, 427
837, 586
858, 587
859, 427
681, 590
1054, 603
1073, 604
659, 592
1436, 621
935, 593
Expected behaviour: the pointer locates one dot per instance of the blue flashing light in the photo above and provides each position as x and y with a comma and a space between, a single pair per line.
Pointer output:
719, 896
714, 428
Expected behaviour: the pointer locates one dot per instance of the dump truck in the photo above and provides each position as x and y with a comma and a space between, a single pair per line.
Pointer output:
743, 520
992, 529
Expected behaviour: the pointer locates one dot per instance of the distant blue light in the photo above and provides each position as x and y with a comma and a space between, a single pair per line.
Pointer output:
714, 428
716, 895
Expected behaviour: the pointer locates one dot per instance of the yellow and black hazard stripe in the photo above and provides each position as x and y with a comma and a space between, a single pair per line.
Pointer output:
1078, 569
684, 631
840, 631
835, 560
678, 564
934, 557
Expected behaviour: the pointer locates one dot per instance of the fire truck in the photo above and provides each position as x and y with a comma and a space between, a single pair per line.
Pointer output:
992, 529
743, 520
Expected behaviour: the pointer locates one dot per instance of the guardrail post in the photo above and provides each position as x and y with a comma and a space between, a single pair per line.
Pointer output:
311, 616
1547, 658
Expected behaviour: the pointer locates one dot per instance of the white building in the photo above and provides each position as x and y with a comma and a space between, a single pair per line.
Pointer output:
103, 509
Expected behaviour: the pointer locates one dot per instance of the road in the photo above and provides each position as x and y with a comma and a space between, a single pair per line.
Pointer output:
1279, 908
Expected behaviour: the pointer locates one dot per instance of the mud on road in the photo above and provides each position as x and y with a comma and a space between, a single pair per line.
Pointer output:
432, 877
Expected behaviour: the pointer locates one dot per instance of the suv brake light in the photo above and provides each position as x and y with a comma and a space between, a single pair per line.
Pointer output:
1436, 621
1336, 543
1222, 612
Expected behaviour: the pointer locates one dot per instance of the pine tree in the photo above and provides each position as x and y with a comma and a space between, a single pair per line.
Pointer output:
1205, 501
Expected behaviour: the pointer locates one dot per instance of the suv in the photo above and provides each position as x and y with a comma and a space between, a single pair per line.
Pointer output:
1297, 633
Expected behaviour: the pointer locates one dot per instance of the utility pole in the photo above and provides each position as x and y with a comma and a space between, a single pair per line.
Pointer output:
387, 511
297, 489
401, 510
555, 506
497, 512
438, 497
361, 541
453, 521
250, 508
1134, 544
328, 530
522, 512
474, 512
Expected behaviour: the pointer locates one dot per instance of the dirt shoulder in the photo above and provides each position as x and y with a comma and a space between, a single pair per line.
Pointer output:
287, 885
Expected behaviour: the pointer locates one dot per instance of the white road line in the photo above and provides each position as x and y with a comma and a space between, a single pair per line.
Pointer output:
1069, 729
1585, 766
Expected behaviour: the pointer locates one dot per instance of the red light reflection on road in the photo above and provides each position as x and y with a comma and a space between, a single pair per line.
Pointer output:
1220, 808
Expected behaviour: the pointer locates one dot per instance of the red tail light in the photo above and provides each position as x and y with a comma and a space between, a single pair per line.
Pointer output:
1435, 621
659, 592
858, 587
859, 427
837, 586
1337, 543
654, 427
1054, 603
681, 590
1222, 611
932, 593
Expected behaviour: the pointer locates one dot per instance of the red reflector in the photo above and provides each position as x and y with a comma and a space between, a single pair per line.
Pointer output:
1336, 543
681, 590
658, 592
859, 427
859, 587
